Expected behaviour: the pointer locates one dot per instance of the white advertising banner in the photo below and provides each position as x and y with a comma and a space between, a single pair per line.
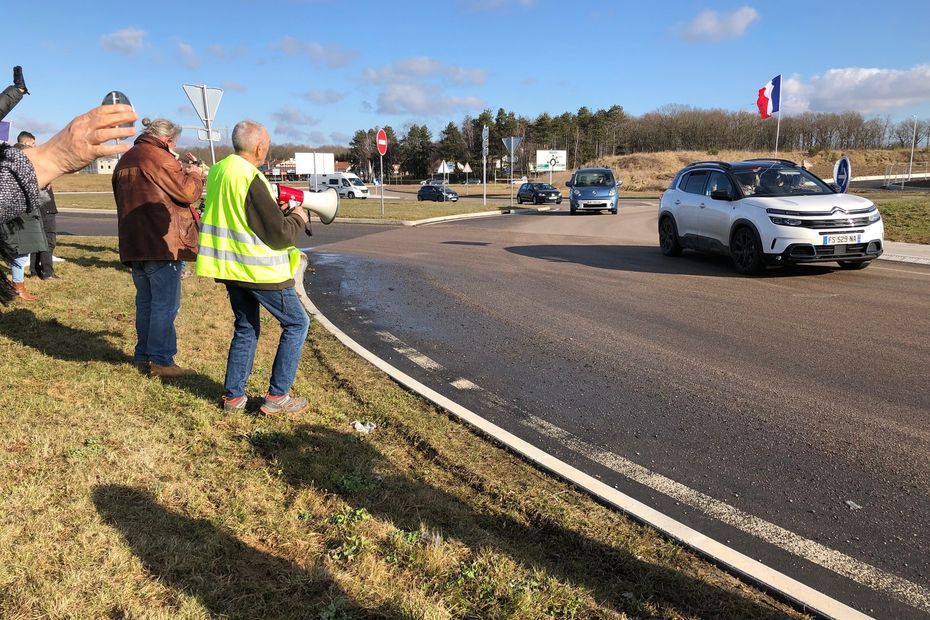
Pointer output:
553, 161
315, 163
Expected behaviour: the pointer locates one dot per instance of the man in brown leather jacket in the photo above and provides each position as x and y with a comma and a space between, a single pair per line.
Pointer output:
157, 231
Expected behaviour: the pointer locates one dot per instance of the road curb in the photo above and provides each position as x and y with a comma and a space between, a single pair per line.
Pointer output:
742, 565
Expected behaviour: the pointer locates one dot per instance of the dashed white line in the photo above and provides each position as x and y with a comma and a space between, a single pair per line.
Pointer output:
464, 384
840, 563
410, 353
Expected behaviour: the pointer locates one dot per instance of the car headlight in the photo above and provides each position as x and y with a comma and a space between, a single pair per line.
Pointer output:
612, 193
874, 216
576, 193
785, 221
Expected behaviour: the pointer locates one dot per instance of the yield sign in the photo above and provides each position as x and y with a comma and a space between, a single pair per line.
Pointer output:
512, 143
467, 168
443, 168
205, 100
382, 142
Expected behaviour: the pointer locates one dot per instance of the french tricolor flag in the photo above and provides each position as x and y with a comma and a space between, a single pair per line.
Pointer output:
769, 97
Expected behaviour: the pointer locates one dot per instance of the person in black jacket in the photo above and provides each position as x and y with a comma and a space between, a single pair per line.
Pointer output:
41, 264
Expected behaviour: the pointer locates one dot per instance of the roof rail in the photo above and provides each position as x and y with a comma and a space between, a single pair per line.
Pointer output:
771, 159
722, 164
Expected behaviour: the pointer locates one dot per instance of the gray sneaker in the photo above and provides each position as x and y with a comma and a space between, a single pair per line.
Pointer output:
283, 405
232, 405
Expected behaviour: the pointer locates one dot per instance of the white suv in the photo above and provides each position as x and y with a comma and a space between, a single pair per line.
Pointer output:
767, 212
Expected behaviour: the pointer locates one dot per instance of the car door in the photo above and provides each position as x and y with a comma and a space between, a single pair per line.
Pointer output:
689, 202
523, 193
715, 217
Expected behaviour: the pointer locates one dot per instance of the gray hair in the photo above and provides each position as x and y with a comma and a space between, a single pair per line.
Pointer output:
161, 128
247, 135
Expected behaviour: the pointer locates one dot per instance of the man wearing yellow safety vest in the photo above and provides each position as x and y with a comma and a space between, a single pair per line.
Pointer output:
247, 243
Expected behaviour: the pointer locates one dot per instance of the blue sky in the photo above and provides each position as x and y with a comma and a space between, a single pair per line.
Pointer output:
314, 71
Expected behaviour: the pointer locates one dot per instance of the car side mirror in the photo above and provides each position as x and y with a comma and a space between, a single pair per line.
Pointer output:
619, 182
568, 183
721, 194
834, 187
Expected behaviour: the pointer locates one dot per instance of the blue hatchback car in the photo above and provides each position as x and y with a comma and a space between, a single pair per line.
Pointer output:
593, 189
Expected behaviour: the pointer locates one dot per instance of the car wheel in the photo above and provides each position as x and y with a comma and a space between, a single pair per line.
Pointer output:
350, 195
668, 237
537, 201
519, 200
419, 198
854, 264
573, 211
613, 211
745, 251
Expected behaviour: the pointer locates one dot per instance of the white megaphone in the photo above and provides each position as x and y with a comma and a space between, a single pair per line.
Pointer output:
325, 204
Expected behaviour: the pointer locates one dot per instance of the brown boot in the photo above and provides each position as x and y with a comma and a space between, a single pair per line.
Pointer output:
22, 293
170, 372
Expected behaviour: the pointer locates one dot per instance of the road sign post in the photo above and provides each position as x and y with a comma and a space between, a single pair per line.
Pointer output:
205, 101
511, 143
382, 151
484, 162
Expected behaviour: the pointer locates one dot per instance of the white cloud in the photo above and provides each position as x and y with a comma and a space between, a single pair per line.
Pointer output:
127, 41
24, 122
323, 96
865, 89
236, 86
291, 122
317, 137
714, 26
222, 52
331, 56
423, 100
188, 56
421, 67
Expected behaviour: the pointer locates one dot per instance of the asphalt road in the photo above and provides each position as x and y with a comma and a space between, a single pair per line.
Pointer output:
794, 406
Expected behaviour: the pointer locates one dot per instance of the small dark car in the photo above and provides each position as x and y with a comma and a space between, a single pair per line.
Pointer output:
538, 194
437, 194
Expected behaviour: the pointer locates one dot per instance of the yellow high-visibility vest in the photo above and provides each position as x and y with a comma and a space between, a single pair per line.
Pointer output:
229, 249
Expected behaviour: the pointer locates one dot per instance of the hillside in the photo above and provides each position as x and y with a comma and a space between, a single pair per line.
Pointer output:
653, 171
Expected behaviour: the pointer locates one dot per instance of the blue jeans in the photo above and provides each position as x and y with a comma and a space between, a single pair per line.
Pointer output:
283, 305
158, 298
18, 268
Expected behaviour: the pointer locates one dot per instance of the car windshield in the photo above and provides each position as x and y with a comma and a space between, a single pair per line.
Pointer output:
357, 181
585, 179
777, 180
541, 186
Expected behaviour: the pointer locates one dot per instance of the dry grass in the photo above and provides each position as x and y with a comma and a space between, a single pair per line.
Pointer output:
122, 497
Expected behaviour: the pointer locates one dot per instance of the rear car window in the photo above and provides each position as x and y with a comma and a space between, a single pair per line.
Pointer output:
694, 182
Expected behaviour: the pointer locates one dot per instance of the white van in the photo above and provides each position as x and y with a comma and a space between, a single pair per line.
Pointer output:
346, 184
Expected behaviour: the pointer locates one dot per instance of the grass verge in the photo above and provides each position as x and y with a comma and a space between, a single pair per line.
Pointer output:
906, 214
121, 496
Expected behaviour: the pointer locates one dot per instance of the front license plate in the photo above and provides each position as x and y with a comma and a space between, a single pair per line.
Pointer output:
841, 239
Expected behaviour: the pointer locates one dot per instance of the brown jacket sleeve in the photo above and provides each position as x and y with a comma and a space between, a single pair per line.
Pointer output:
181, 186
276, 230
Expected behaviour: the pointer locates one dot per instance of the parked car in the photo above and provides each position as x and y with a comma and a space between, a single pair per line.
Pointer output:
437, 182
538, 193
764, 212
437, 193
593, 189
472, 181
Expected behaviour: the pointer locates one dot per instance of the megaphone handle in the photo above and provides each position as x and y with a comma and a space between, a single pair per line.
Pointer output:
308, 229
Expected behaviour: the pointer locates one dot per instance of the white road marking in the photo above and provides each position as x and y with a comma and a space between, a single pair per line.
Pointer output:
840, 563
465, 384
410, 353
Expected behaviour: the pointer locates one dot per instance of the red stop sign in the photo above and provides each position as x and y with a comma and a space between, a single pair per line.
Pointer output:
382, 142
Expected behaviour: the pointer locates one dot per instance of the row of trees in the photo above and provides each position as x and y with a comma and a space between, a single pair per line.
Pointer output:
590, 136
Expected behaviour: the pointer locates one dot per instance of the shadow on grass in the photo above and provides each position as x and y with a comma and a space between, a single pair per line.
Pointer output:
87, 247
351, 467
98, 263
228, 577
52, 338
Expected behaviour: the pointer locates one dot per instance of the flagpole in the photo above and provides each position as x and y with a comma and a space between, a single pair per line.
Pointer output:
778, 126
